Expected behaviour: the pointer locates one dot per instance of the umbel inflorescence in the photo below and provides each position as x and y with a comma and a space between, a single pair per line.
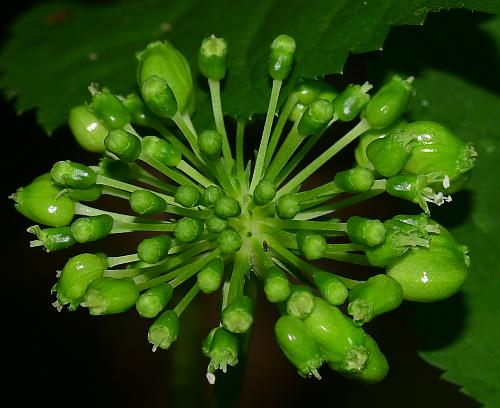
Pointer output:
217, 223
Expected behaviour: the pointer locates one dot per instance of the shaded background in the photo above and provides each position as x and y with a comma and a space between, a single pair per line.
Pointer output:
77, 360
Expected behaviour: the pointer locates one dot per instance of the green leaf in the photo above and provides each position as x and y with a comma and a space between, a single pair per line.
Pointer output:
466, 346
57, 50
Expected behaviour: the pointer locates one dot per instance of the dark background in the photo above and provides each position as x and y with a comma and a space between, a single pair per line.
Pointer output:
72, 359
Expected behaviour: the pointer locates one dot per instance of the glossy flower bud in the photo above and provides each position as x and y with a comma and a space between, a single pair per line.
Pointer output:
106, 296
164, 331
187, 196
162, 60
144, 202
301, 302
312, 245
139, 113
223, 352
237, 317
390, 154
307, 91
317, 115
298, 346
53, 239
379, 294
433, 273
110, 110
339, 340
264, 192
161, 151
287, 207
88, 229
188, 229
229, 241
124, 145
211, 194
85, 194
331, 288
227, 207
210, 144
276, 285
356, 180
389, 103
159, 97
212, 58
365, 231
75, 277
351, 101
369, 136
71, 174
42, 202
154, 249
154, 300
215, 224
210, 276
88, 131
439, 151
281, 57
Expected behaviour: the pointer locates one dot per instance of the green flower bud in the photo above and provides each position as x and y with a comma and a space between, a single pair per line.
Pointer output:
154, 249
88, 131
356, 180
237, 317
124, 145
154, 300
298, 346
159, 97
88, 229
210, 144
207, 342
339, 340
312, 245
144, 202
229, 241
439, 151
164, 331
301, 302
379, 294
389, 103
106, 296
215, 224
317, 115
287, 207
433, 273
264, 192
369, 136
187, 196
223, 352
110, 110
212, 58
140, 115
227, 207
164, 61
71, 174
53, 239
210, 276
188, 229
389, 154
365, 231
75, 277
42, 202
115, 169
211, 195
161, 151
308, 90
331, 288
281, 57
351, 101
276, 285
85, 194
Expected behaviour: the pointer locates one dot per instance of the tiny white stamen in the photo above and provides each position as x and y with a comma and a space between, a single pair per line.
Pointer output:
57, 305
211, 378
58, 273
446, 182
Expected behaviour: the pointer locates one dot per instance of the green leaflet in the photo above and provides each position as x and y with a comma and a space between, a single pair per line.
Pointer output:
72, 44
